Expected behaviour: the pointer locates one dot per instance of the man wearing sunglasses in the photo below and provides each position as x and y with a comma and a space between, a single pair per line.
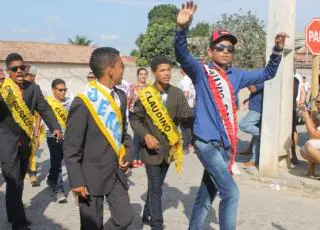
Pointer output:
60, 105
19, 99
91, 77
215, 125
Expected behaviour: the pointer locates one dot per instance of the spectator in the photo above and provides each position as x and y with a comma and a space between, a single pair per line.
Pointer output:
142, 74
91, 77
252, 121
2, 76
311, 149
189, 92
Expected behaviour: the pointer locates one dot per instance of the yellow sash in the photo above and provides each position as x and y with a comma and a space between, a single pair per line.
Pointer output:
156, 110
16, 105
42, 133
107, 115
59, 111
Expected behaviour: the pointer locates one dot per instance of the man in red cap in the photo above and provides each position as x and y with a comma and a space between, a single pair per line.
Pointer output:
215, 124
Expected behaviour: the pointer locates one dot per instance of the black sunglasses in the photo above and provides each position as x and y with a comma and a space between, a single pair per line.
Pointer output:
221, 47
62, 90
16, 68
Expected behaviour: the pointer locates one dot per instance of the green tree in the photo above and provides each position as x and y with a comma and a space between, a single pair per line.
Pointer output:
165, 13
198, 38
248, 28
134, 53
80, 40
158, 38
202, 29
157, 41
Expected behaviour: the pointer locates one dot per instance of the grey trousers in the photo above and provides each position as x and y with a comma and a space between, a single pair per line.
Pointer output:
91, 210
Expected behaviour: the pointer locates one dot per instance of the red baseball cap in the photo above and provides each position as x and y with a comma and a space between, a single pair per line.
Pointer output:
217, 35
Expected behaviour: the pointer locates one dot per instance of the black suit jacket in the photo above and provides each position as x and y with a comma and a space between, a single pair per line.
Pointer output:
179, 111
10, 131
90, 159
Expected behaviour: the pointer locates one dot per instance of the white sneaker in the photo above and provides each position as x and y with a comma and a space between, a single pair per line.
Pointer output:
61, 198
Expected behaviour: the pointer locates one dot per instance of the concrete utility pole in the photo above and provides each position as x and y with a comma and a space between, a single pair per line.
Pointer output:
278, 93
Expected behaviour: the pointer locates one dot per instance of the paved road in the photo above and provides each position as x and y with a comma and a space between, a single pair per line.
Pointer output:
260, 206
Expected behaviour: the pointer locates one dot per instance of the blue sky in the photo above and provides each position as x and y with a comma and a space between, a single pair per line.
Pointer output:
114, 22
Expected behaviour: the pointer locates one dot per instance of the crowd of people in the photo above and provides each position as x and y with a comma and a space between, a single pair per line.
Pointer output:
90, 131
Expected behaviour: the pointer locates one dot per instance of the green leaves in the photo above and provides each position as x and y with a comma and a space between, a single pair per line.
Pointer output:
251, 47
80, 41
158, 38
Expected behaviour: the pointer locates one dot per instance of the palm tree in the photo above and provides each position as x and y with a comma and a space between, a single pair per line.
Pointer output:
80, 41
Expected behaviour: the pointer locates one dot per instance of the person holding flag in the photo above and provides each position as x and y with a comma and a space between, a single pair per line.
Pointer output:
215, 126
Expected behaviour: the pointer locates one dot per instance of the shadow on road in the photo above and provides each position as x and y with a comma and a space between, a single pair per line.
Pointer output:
172, 196
278, 226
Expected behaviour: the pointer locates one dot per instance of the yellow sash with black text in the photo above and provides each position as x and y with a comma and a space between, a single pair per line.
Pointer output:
107, 115
59, 111
21, 114
156, 110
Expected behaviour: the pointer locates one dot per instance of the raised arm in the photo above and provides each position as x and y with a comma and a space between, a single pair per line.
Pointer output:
189, 65
270, 70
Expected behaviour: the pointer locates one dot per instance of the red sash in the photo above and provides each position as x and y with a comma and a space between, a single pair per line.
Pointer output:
230, 123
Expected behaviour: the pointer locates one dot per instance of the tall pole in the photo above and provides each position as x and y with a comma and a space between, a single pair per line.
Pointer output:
278, 93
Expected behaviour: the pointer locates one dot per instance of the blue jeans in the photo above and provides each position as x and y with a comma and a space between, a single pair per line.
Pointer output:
216, 178
56, 157
251, 124
153, 206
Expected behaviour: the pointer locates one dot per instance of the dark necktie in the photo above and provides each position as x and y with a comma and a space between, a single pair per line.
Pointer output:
112, 94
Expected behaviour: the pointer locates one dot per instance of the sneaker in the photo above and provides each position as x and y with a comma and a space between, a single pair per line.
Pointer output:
61, 198
147, 221
51, 185
34, 180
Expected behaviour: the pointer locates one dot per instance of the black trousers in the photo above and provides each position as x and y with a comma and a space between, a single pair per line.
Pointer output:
153, 206
14, 174
56, 157
91, 210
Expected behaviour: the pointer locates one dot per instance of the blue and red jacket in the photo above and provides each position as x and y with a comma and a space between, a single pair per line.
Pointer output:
208, 125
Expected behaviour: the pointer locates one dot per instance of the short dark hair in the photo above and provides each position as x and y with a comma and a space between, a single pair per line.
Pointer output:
158, 60
56, 82
103, 58
13, 57
141, 69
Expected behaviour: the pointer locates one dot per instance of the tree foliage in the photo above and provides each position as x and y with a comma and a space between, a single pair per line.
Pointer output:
80, 40
250, 50
158, 38
165, 13
251, 47
201, 29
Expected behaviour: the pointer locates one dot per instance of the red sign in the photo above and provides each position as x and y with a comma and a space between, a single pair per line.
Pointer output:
312, 34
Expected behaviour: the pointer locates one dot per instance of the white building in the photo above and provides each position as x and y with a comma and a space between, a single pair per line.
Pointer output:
65, 61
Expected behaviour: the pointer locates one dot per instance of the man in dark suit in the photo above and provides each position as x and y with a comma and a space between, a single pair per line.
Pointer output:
93, 165
15, 143
155, 144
